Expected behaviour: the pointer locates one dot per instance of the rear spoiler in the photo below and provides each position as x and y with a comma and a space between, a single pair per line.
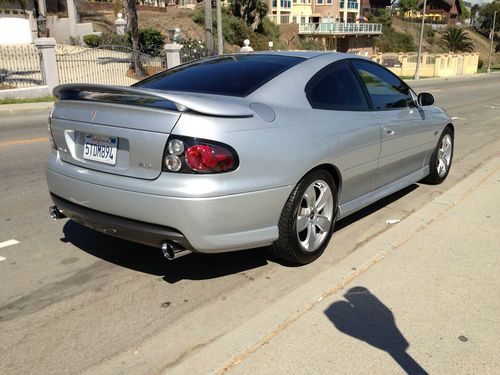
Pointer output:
200, 103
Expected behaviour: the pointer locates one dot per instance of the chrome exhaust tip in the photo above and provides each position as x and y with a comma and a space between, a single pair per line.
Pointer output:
171, 250
55, 213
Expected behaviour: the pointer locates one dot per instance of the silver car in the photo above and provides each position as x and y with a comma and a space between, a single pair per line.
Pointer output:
242, 151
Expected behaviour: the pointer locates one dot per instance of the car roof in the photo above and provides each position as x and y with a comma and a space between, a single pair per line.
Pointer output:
303, 54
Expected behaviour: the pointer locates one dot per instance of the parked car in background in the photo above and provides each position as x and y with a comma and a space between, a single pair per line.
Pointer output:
242, 151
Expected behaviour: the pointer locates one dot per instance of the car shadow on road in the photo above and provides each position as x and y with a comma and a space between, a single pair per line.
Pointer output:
364, 317
149, 260
193, 266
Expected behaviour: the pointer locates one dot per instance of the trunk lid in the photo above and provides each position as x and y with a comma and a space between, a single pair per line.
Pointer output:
124, 130
85, 133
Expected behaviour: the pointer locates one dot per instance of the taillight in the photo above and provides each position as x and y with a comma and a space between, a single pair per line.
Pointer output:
51, 137
193, 155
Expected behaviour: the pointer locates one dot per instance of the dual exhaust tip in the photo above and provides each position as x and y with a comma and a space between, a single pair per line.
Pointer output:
171, 250
56, 213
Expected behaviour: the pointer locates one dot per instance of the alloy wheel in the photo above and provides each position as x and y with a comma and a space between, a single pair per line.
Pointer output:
315, 215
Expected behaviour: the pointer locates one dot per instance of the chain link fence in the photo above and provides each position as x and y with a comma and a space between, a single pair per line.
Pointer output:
20, 67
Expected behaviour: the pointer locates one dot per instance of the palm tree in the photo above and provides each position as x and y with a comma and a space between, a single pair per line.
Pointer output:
456, 40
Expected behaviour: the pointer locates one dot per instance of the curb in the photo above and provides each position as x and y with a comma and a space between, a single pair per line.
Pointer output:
220, 357
13, 109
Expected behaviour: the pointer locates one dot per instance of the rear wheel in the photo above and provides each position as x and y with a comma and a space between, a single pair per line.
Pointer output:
440, 163
306, 222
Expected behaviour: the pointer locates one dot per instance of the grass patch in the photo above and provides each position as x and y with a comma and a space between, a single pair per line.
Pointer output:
484, 69
43, 99
411, 77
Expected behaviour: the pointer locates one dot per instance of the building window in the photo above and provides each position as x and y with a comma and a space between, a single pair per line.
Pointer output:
319, 2
329, 2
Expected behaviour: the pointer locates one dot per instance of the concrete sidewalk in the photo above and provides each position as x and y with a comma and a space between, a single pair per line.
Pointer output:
423, 297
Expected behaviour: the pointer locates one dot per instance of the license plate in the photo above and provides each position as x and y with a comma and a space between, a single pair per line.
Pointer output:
100, 148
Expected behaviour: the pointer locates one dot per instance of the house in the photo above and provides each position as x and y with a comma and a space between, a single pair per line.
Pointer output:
17, 22
313, 11
448, 10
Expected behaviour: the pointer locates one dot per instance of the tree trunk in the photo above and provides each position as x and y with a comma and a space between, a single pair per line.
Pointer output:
134, 36
209, 41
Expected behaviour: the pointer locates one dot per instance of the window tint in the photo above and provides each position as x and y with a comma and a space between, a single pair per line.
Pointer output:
386, 90
229, 75
336, 87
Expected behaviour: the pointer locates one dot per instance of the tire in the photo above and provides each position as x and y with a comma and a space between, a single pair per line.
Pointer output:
441, 158
307, 220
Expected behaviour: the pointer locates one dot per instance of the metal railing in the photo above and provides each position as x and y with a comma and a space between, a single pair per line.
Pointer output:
110, 65
20, 67
340, 28
350, 5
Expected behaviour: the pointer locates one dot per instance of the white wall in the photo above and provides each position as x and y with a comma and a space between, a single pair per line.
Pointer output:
59, 28
15, 31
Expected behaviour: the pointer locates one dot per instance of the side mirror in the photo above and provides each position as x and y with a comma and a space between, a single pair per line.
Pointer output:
425, 98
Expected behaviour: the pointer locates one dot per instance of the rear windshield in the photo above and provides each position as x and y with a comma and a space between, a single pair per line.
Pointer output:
237, 75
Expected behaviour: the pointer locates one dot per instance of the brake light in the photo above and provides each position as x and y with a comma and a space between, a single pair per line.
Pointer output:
51, 136
193, 155
203, 158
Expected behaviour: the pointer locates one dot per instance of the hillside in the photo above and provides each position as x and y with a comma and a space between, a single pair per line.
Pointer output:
103, 20
432, 45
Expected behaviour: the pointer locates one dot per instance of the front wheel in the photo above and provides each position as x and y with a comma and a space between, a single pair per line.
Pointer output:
440, 163
307, 220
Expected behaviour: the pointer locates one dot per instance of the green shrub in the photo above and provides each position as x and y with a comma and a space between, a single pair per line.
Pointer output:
480, 64
309, 44
382, 16
394, 41
151, 41
74, 41
235, 31
111, 39
92, 40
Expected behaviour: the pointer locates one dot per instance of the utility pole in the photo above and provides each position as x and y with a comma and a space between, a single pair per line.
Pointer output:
417, 71
220, 40
209, 39
492, 36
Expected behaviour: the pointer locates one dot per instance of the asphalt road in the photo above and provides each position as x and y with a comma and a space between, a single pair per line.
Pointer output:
73, 300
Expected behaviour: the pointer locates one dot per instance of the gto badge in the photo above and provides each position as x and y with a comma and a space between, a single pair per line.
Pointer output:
145, 165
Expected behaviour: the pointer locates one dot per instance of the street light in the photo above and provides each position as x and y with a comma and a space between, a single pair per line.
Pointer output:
417, 70
492, 36
41, 25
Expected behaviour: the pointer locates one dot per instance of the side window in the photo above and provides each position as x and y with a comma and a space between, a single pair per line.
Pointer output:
386, 90
335, 87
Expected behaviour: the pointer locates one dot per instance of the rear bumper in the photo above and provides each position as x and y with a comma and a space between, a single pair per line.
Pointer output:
132, 230
209, 225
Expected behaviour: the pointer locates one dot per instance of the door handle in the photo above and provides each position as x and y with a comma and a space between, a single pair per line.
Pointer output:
389, 131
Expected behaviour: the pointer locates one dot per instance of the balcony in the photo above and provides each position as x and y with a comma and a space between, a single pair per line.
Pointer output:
284, 4
341, 28
350, 5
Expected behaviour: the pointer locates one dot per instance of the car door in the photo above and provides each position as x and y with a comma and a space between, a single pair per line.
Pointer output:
403, 124
342, 109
